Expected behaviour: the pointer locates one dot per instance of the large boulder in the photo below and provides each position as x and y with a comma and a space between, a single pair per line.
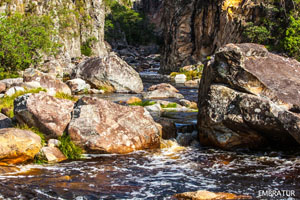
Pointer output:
46, 81
99, 125
109, 71
18, 146
249, 97
49, 114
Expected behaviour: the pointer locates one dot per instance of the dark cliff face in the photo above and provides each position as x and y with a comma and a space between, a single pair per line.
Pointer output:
195, 29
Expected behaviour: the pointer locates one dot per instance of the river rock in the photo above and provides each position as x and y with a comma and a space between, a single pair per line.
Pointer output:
248, 97
99, 125
169, 130
53, 143
2, 87
188, 104
192, 83
132, 100
18, 146
163, 86
46, 81
154, 110
5, 122
109, 71
10, 82
180, 78
78, 85
206, 195
49, 114
31, 84
53, 154
162, 91
13, 90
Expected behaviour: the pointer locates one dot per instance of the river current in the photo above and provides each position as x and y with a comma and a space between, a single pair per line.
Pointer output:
157, 174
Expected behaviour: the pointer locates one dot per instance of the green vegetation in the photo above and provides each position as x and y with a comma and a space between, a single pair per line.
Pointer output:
124, 20
40, 159
86, 47
190, 75
5, 74
170, 105
35, 130
61, 95
68, 148
24, 38
279, 29
143, 103
7, 102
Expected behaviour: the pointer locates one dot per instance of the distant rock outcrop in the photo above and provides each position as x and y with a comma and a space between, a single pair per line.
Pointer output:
195, 29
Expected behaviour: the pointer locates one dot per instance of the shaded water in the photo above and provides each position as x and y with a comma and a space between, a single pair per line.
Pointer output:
156, 175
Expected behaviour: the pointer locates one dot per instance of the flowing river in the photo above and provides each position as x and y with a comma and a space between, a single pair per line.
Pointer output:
156, 174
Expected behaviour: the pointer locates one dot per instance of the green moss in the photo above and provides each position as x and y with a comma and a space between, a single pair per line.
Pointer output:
143, 103
8, 101
170, 105
68, 148
61, 95
190, 75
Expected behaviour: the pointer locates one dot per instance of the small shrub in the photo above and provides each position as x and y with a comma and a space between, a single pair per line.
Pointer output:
190, 75
24, 39
5, 75
40, 159
258, 34
61, 95
170, 105
86, 47
68, 148
8, 101
143, 103
292, 39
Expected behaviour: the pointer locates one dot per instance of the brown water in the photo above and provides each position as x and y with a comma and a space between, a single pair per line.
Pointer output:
155, 175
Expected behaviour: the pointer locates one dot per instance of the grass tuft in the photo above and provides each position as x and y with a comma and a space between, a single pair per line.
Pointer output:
143, 103
8, 101
68, 148
61, 95
170, 105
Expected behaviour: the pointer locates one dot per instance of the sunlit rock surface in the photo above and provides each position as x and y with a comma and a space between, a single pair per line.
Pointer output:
249, 97
103, 126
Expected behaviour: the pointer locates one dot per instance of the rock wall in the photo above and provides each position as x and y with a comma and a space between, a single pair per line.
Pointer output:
76, 22
195, 29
